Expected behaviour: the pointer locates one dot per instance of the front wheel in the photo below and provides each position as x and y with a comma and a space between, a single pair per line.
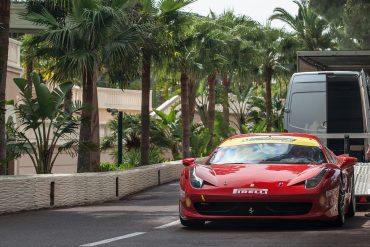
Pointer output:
352, 205
341, 218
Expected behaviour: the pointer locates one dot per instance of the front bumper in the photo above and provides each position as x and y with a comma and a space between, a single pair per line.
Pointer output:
315, 205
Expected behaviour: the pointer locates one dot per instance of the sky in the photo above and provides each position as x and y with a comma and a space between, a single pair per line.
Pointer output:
259, 10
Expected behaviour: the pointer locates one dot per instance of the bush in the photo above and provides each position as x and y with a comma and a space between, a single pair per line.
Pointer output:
106, 167
131, 159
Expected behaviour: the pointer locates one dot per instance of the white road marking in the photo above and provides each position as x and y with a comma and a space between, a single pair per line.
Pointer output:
106, 241
168, 225
176, 184
366, 224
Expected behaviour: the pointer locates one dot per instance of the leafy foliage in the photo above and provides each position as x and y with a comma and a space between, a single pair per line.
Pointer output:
160, 134
350, 20
43, 130
131, 159
312, 30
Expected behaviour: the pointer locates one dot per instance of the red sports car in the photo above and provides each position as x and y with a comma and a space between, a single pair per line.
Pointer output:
268, 176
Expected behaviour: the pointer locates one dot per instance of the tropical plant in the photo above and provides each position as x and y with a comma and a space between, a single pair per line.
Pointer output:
239, 51
199, 139
312, 30
93, 35
257, 120
162, 17
43, 130
106, 167
131, 132
275, 47
349, 20
210, 46
4, 43
246, 106
166, 131
132, 160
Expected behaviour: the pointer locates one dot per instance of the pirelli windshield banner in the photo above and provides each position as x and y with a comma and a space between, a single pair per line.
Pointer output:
293, 140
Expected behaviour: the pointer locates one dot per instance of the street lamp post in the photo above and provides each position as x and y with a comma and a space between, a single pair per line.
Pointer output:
114, 111
119, 153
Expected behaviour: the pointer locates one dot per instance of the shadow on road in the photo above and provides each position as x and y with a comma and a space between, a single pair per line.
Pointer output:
357, 222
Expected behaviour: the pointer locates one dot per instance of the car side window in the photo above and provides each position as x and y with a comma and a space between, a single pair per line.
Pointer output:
330, 156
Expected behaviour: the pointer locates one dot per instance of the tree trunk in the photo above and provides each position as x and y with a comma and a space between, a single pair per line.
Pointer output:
193, 87
268, 77
29, 69
4, 44
211, 105
89, 153
185, 115
211, 100
68, 102
145, 102
225, 97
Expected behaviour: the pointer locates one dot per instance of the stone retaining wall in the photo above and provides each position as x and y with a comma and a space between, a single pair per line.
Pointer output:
31, 192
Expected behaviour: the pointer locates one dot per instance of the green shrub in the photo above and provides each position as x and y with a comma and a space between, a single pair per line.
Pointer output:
106, 167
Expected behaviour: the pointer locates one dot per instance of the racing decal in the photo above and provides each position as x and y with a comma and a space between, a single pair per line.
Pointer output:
250, 191
294, 140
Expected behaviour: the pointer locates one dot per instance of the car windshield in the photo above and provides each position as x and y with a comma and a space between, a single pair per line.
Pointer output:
268, 153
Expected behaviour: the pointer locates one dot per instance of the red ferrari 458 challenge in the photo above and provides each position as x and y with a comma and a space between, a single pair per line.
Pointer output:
268, 176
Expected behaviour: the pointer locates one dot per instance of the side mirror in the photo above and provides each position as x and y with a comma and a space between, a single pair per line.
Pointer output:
188, 161
347, 161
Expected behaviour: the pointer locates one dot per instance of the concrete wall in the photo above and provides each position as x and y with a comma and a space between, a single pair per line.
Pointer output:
14, 69
18, 193
64, 164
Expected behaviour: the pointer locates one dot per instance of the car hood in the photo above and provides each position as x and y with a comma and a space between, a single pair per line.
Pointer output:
241, 175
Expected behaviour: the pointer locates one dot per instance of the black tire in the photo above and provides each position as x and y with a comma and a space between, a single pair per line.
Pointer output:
352, 205
192, 223
341, 218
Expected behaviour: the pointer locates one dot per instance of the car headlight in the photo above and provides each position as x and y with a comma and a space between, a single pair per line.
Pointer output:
314, 181
195, 181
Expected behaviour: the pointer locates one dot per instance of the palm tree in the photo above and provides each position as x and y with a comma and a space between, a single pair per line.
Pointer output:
210, 46
237, 33
159, 17
4, 43
92, 35
59, 9
185, 60
312, 30
274, 45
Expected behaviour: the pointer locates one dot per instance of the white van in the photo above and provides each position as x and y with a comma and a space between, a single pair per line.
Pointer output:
330, 102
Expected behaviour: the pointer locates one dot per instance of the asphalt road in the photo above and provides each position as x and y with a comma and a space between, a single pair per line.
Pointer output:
150, 219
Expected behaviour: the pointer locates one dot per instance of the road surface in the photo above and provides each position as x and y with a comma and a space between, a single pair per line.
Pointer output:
151, 219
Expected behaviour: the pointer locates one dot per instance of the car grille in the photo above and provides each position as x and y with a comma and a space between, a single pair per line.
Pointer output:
253, 208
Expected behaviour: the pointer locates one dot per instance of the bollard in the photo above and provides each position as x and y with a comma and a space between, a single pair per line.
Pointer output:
52, 193
346, 144
159, 177
117, 186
